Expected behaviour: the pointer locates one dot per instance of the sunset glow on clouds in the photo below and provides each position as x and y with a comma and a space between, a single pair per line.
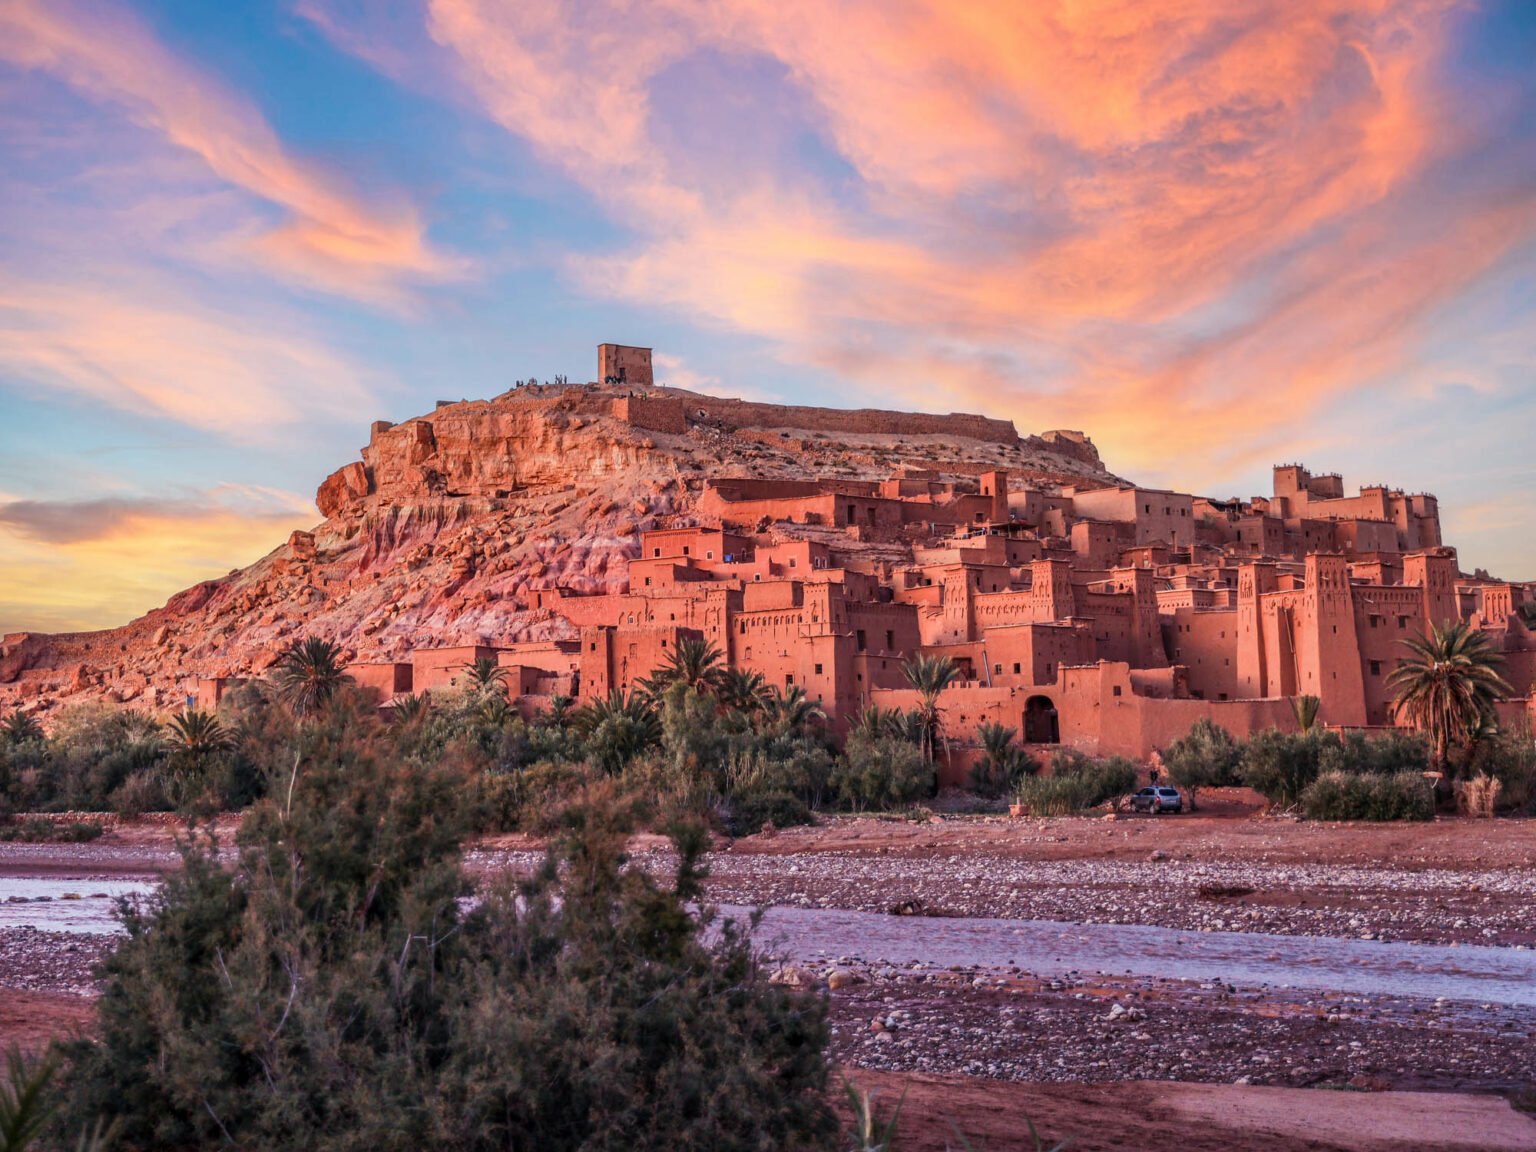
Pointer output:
1214, 234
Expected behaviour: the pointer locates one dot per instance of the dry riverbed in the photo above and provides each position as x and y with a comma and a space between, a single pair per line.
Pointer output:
1212, 884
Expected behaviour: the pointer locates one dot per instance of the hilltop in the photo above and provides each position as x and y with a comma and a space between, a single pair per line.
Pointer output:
447, 525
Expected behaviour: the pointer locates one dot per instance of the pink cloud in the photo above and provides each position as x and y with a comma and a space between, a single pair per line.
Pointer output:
333, 237
1198, 213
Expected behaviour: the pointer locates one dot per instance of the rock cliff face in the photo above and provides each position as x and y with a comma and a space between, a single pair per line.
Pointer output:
449, 522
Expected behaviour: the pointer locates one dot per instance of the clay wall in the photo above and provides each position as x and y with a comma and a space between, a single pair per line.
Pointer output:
1026, 655
702, 543
1384, 618
1205, 643
856, 422
1157, 515
614, 658
211, 691
389, 679
444, 669
663, 575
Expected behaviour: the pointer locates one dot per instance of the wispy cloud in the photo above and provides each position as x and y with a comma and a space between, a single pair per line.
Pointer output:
172, 358
329, 235
81, 521
1186, 226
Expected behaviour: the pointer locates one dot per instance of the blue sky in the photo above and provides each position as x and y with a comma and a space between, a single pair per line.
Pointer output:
1213, 235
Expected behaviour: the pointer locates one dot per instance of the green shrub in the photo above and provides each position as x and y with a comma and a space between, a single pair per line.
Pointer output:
749, 812
1281, 765
38, 830
1368, 796
1385, 753
330, 991
1207, 757
881, 772
1510, 758
1077, 782
1054, 795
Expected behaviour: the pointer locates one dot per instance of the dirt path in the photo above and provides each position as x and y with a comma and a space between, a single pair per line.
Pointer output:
1157, 1117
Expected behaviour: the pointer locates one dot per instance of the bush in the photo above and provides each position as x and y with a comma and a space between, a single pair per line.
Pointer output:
1368, 796
1280, 765
39, 831
1479, 796
1386, 753
1104, 777
1206, 758
1510, 758
748, 813
881, 772
1053, 795
1077, 782
331, 991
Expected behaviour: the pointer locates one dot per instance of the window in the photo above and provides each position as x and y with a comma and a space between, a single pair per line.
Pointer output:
818, 669
1116, 690
997, 669
789, 679
1016, 668
792, 562
1402, 623
859, 639
1375, 667
890, 640
656, 552
710, 555
685, 549
647, 581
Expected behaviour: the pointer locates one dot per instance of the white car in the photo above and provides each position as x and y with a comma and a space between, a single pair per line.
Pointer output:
1157, 799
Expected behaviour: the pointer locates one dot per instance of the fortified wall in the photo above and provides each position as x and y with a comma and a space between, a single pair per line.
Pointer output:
666, 413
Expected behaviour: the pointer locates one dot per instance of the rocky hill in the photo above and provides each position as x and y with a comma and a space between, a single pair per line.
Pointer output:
439, 533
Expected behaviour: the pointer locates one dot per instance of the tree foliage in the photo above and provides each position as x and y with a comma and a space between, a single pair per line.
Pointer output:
1447, 685
333, 991
1206, 757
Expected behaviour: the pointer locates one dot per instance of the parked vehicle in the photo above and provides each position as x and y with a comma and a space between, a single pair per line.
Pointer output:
1155, 800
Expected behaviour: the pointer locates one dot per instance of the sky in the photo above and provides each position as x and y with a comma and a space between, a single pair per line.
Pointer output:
1216, 235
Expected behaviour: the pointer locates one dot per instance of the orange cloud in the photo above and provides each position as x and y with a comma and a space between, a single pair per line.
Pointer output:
333, 238
1185, 225
150, 549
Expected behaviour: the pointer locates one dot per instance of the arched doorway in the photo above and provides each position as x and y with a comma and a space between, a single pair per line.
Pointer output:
1040, 724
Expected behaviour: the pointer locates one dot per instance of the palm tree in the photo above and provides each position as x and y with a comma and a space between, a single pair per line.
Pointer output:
1305, 709
930, 675
20, 728
617, 728
309, 672
558, 714
1528, 615
486, 677
743, 691
1002, 763
198, 733
410, 708
790, 712
1447, 686
694, 662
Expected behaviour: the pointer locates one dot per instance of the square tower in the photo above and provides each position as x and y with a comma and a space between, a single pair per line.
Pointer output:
623, 364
